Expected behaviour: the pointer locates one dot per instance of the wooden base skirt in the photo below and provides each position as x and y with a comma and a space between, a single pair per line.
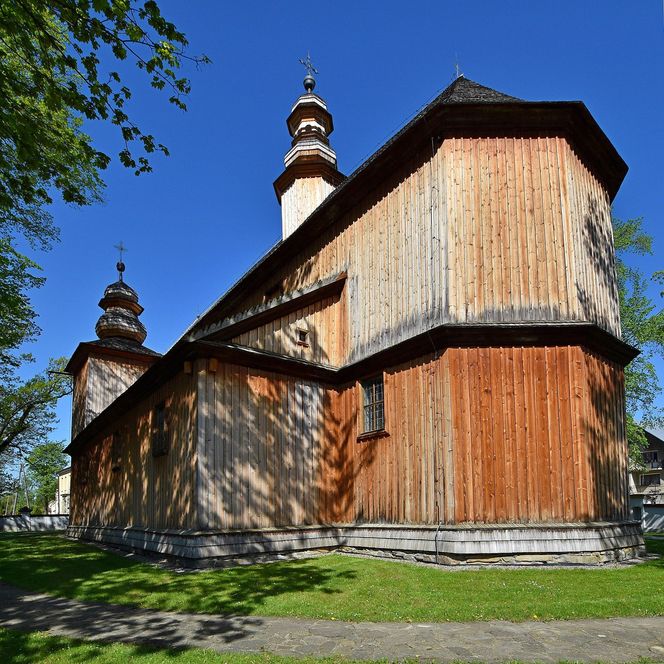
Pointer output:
569, 543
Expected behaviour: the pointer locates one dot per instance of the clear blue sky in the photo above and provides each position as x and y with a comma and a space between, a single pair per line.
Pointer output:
209, 211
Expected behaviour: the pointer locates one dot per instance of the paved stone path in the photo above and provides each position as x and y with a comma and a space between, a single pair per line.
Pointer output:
613, 640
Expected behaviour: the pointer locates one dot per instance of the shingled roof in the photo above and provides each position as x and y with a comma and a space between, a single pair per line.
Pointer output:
465, 91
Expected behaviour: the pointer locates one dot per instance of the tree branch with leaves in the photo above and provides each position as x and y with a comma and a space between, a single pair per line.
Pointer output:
642, 325
27, 409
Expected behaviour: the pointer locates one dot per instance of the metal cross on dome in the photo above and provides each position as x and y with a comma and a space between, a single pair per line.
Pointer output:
308, 64
120, 265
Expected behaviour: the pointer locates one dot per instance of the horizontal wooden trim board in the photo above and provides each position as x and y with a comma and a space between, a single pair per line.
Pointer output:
580, 542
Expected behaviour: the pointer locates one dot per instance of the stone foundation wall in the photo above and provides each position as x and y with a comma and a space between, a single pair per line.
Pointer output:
583, 543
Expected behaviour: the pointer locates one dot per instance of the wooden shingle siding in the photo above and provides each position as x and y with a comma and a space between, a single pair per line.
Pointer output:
473, 229
146, 491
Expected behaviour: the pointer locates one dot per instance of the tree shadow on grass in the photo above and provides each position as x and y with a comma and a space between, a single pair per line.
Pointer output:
51, 564
27, 648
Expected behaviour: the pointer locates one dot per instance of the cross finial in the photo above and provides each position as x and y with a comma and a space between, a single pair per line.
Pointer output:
308, 64
120, 265
456, 67
309, 80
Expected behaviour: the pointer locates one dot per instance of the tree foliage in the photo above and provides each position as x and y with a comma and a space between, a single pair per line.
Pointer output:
27, 409
55, 73
61, 64
643, 327
44, 463
64, 63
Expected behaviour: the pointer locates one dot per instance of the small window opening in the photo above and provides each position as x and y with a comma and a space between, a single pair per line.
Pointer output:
116, 451
373, 404
302, 337
159, 432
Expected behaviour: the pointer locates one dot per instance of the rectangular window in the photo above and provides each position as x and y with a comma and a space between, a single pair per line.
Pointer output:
159, 431
116, 451
649, 480
373, 404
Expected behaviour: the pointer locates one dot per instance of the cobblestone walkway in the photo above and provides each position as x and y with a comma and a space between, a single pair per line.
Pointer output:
613, 640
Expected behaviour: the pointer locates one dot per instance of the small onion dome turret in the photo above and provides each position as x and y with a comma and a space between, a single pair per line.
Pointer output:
121, 312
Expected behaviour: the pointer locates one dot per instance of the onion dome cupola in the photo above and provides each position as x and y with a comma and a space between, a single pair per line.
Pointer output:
310, 172
104, 368
121, 312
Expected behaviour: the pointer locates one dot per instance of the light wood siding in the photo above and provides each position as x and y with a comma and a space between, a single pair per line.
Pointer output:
80, 416
300, 200
538, 435
145, 491
262, 441
98, 384
325, 323
482, 229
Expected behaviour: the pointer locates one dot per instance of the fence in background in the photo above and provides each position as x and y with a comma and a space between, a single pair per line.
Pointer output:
25, 522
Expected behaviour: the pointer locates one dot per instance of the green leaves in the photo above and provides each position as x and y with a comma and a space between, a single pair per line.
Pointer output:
27, 409
52, 61
643, 327
44, 463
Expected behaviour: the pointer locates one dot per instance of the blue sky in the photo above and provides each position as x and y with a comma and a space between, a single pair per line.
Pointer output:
209, 211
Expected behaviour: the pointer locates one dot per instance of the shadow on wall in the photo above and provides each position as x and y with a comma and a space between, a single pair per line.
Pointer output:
118, 482
28, 523
604, 429
596, 284
277, 449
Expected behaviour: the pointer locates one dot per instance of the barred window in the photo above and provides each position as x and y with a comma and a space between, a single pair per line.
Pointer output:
374, 404
159, 430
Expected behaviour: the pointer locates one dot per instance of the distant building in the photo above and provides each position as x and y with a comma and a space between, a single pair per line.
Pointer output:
646, 486
63, 492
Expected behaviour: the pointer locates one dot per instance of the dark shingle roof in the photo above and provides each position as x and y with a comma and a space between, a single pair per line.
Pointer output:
118, 343
465, 91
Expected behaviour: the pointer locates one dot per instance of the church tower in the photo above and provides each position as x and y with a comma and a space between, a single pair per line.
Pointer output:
104, 368
310, 172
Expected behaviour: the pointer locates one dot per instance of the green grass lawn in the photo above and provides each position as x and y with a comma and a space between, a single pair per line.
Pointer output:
28, 648
334, 586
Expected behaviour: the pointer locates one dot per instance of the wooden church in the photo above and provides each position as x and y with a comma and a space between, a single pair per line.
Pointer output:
428, 364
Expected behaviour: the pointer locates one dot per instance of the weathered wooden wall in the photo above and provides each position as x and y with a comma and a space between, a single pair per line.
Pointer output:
538, 435
261, 439
482, 229
157, 492
475, 435
503, 434
325, 322
300, 200
98, 383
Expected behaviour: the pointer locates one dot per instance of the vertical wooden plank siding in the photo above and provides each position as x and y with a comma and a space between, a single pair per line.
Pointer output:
504, 434
323, 321
479, 229
568, 450
146, 491
99, 383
